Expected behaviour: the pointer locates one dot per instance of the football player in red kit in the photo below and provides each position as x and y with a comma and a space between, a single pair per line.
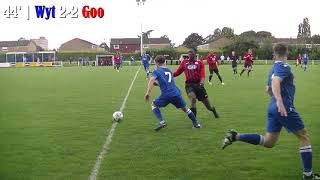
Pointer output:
195, 76
213, 67
248, 61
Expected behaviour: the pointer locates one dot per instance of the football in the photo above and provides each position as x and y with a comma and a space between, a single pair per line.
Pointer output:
117, 116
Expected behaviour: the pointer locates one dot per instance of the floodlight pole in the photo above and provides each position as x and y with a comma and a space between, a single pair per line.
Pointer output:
141, 3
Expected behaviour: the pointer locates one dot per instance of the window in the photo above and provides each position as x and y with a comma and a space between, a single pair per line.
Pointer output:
145, 46
4, 49
115, 46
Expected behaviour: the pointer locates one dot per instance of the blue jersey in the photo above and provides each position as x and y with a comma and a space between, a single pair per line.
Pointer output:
164, 77
145, 58
283, 70
305, 58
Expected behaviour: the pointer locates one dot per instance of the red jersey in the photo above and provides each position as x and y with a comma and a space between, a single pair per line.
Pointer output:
212, 61
299, 58
201, 58
117, 60
248, 58
193, 70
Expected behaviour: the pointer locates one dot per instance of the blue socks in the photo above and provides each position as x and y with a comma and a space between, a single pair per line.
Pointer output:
254, 139
192, 116
157, 113
306, 156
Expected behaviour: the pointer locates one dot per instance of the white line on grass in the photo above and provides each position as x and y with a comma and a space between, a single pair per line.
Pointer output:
105, 147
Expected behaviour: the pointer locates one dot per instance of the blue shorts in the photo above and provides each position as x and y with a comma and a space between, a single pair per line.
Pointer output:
146, 66
305, 62
163, 101
275, 121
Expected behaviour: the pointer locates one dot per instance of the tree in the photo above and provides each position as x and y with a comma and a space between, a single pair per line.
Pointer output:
265, 50
248, 34
216, 34
145, 35
167, 37
104, 45
22, 39
263, 34
227, 32
304, 31
193, 40
240, 45
315, 39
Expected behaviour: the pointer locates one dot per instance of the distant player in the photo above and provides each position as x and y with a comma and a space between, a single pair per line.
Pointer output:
222, 59
234, 63
281, 113
213, 67
146, 63
248, 61
117, 62
298, 61
305, 61
170, 93
195, 76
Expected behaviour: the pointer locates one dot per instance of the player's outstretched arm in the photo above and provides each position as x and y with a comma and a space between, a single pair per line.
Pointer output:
151, 83
179, 70
277, 94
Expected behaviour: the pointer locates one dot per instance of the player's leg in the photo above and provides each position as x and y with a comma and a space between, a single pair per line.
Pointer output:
244, 69
249, 70
207, 104
216, 71
293, 123
268, 141
118, 67
179, 103
210, 76
156, 105
274, 127
192, 98
146, 68
202, 96
305, 66
306, 154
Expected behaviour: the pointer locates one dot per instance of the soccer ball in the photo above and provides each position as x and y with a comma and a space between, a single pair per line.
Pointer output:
117, 116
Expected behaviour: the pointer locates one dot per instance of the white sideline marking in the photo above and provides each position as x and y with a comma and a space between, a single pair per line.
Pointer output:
105, 147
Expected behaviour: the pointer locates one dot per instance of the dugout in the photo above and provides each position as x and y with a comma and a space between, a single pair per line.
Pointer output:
32, 59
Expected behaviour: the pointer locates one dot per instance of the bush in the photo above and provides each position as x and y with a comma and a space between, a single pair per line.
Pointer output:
2, 57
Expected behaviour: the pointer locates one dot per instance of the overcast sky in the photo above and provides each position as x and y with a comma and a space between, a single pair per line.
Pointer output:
175, 18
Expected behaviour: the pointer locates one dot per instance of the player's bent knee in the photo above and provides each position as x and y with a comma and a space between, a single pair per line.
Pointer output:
303, 136
153, 106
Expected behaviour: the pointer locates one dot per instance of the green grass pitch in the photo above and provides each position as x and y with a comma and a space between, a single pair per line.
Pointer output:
53, 123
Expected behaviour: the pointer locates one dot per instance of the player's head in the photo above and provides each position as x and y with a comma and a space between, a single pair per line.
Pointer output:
160, 60
249, 50
233, 53
280, 51
192, 54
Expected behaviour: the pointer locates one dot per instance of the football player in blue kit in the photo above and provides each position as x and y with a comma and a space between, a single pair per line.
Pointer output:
305, 61
146, 63
170, 93
281, 113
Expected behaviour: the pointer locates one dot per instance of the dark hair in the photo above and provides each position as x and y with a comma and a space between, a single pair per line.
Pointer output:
280, 49
160, 59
